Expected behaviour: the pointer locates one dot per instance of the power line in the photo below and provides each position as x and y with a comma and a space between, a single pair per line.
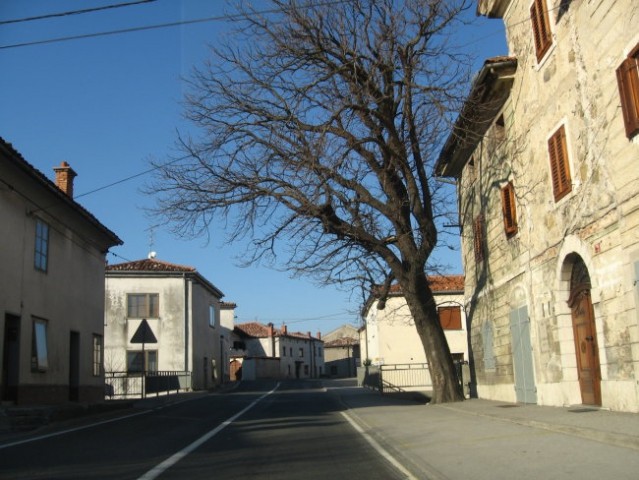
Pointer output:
231, 17
74, 12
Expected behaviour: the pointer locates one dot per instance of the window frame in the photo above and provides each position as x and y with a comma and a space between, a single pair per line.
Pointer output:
39, 345
145, 366
41, 247
542, 33
560, 174
151, 312
212, 315
98, 355
509, 209
628, 82
452, 317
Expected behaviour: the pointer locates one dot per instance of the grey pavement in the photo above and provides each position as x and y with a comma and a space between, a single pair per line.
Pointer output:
481, 439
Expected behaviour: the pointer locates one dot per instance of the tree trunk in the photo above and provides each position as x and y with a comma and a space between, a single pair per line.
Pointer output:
421, 303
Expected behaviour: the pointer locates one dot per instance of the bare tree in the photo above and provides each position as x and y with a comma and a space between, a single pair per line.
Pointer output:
321, 122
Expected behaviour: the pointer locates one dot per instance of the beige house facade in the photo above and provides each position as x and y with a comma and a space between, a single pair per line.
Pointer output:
51, 288
389, 336
342, 352
264, 351
545, 153
182, 310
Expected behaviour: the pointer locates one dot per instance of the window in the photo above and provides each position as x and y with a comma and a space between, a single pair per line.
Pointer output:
478, 238
540, 27
305, 369
239, 345
628, 79
559, 167
283, 351
39, 353
212, 316
301, 352
450, 317
135, 359
508, 209
472, 173
145, 305
41, 246
290, 351
98, 344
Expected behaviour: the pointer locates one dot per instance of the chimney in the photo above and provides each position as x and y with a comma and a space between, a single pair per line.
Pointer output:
64, 176
271, 330
309, 334
319, 335
284, 329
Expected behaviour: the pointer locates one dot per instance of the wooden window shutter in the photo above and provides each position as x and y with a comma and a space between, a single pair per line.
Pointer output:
559, 166
478, 238
541, 28
450, 318
508, 209
628, 79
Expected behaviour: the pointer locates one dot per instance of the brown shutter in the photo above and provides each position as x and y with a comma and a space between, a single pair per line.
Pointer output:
628, 79
450, 318
478, 236
541, 28
508, 209
559, 166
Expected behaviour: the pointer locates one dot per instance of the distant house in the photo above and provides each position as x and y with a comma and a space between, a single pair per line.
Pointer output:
262, 351
182, 310
51, 289
342, 352
389, 336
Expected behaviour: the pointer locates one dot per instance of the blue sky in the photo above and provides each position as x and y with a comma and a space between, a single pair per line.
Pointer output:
108, 105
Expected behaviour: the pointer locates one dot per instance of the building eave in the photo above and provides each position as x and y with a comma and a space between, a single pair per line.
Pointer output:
489, 92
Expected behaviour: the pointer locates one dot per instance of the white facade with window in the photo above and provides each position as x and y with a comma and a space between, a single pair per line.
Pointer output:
51, 288
182, 310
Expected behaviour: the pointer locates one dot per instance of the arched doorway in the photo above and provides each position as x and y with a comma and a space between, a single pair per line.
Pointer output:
585, 334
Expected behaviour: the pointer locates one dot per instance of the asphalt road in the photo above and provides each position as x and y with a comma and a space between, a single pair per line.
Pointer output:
288, 431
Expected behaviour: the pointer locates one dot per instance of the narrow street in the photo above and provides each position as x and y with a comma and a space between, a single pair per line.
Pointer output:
265, 431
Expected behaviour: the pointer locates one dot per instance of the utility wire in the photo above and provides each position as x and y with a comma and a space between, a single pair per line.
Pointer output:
74, 12
231, 17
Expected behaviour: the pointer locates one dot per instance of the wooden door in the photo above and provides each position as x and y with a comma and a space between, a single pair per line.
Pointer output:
586, 348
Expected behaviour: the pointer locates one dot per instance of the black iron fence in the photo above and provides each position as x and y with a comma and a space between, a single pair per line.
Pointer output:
119, 385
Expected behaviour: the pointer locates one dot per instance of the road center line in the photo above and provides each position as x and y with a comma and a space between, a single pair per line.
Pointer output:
172, 460
383, 452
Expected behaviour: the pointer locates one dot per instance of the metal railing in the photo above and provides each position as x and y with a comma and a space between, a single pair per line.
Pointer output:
124, 385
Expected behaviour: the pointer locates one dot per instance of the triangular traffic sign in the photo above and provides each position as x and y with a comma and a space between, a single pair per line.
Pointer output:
144, 334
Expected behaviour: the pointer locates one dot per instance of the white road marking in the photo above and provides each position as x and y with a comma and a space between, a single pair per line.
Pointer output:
70, 430
172, 460
383, 452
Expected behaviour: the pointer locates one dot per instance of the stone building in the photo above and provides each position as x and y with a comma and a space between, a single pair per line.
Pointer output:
545, 153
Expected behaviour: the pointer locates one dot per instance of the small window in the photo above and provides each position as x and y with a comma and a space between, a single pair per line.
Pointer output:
139, 361
39, 351
239, 345
559, 166
283, 351
145, 305
212, 316
450, 317
499, 130
508, 209
305, 369
478, 238
41, 259
471, 171
628, 79
540, 27
290, 351
301, 352
98, 348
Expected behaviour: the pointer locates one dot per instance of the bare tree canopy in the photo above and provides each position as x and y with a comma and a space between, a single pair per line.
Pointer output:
320, 126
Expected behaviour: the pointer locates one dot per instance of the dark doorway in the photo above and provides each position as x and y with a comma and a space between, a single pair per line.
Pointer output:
74, 367
585, 334
11, 358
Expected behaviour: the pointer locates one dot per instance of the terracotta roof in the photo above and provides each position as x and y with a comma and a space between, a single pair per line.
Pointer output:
259, 330
438, 284
149, 265
341, 342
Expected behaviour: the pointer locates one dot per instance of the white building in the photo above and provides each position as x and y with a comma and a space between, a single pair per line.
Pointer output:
182, 309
